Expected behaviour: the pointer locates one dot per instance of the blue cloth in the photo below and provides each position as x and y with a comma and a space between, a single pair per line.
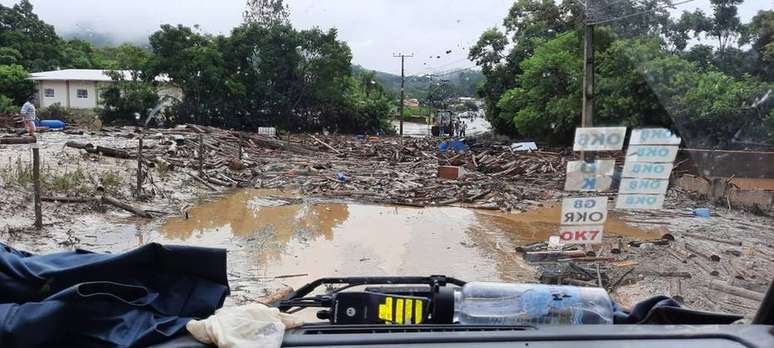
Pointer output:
663, 310
84, 299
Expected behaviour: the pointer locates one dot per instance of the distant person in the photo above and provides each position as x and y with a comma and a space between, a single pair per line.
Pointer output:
29, 115
463, 128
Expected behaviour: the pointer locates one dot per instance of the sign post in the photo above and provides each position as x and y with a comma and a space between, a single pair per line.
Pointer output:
645, 177
583, 220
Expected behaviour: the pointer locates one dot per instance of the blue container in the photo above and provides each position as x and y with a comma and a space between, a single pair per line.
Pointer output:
701, 212
51, 124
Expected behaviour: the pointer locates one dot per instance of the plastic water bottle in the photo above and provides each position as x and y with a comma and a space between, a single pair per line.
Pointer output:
481, 303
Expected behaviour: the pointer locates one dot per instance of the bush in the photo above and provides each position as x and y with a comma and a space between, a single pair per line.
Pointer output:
54, 112
7, 105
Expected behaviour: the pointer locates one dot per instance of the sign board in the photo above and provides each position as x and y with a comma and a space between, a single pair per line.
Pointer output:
647, 170
644, 186
599, 139
653, 136
639, 201
577, 181
581, 234
651, 153
598, 167
584, 211
270, 131
589, 176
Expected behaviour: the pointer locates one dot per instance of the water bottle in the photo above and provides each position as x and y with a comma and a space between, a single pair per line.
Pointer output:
480, 303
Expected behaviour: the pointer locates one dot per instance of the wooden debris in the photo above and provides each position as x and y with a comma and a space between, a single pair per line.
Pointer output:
134, 210
18, 140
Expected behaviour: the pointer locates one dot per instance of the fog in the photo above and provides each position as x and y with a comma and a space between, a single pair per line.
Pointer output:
374, 29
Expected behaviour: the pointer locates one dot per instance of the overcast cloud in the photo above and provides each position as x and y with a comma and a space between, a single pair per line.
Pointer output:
374, 29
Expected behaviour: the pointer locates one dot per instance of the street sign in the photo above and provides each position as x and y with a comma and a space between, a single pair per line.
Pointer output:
584, 211
653, 136
599, 139
651, 153
647, 170
638, 201
581, 234
643, 186
589, 176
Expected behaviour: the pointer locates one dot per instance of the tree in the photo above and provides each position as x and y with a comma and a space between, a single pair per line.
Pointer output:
124, 57
9, 56
726, 25
266, 12
22, 30
546, 104
14, 83
125, 99
760, 33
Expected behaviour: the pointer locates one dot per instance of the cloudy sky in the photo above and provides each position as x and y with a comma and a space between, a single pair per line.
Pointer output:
374, 29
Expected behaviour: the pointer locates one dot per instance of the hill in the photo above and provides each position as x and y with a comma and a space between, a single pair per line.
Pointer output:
464, 82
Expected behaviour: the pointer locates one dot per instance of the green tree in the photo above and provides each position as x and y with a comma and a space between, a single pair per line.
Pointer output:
23, 31
124, 57
126, 98
546, 104
9, 56
14, 83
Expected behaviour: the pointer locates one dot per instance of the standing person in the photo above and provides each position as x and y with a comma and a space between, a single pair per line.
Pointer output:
463, 128
29, 114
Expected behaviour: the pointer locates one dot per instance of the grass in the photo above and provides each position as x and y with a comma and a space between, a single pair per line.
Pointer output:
162, 168
111, 181
19, 173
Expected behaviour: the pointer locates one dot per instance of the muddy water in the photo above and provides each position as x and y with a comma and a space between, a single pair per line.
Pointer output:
273, 233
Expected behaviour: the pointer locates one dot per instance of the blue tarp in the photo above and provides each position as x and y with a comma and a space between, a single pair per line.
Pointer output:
84, 299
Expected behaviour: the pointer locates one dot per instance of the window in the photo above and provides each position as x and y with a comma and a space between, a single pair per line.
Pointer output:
48, 93
82, 93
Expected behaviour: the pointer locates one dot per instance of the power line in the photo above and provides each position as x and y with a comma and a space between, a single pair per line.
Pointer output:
639, 13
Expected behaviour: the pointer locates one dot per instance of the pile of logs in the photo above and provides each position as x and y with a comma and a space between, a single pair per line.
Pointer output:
378, 170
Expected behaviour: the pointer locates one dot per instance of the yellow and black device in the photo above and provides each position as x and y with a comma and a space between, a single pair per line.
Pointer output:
375, 308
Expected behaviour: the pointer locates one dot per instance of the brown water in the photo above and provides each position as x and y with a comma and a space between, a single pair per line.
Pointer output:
273, 233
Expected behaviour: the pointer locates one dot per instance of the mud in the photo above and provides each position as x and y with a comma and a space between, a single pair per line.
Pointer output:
274, 233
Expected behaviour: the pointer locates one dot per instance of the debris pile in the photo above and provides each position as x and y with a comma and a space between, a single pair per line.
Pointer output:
10, 120
378, 170
724, 274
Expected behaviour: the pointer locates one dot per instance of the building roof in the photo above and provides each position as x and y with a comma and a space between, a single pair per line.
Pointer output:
83, 75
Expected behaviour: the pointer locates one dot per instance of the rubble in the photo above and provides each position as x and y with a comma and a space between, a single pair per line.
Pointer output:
376, 170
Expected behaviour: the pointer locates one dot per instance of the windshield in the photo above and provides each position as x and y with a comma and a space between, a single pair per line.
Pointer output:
621, 144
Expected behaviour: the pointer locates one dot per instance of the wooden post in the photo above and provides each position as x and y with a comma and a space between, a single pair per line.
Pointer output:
240, 146
201, 154
36, 182
139, 169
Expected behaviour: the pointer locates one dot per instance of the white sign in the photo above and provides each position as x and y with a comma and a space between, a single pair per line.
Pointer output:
647, 153
589, 176
646, 170
581, 234
270, 131
598, 167
577, 181
584, 211
640, 202
645, 186
599, 139
654, 136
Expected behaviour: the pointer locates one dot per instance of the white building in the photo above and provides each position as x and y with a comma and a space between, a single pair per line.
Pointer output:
81, 88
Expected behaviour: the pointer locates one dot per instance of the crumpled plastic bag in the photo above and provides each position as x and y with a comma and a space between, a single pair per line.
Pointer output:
252, 325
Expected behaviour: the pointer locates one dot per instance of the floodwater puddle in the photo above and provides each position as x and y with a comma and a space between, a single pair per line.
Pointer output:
273, 233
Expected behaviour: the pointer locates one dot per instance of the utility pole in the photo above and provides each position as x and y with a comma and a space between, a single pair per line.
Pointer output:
587, 116
402, 85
